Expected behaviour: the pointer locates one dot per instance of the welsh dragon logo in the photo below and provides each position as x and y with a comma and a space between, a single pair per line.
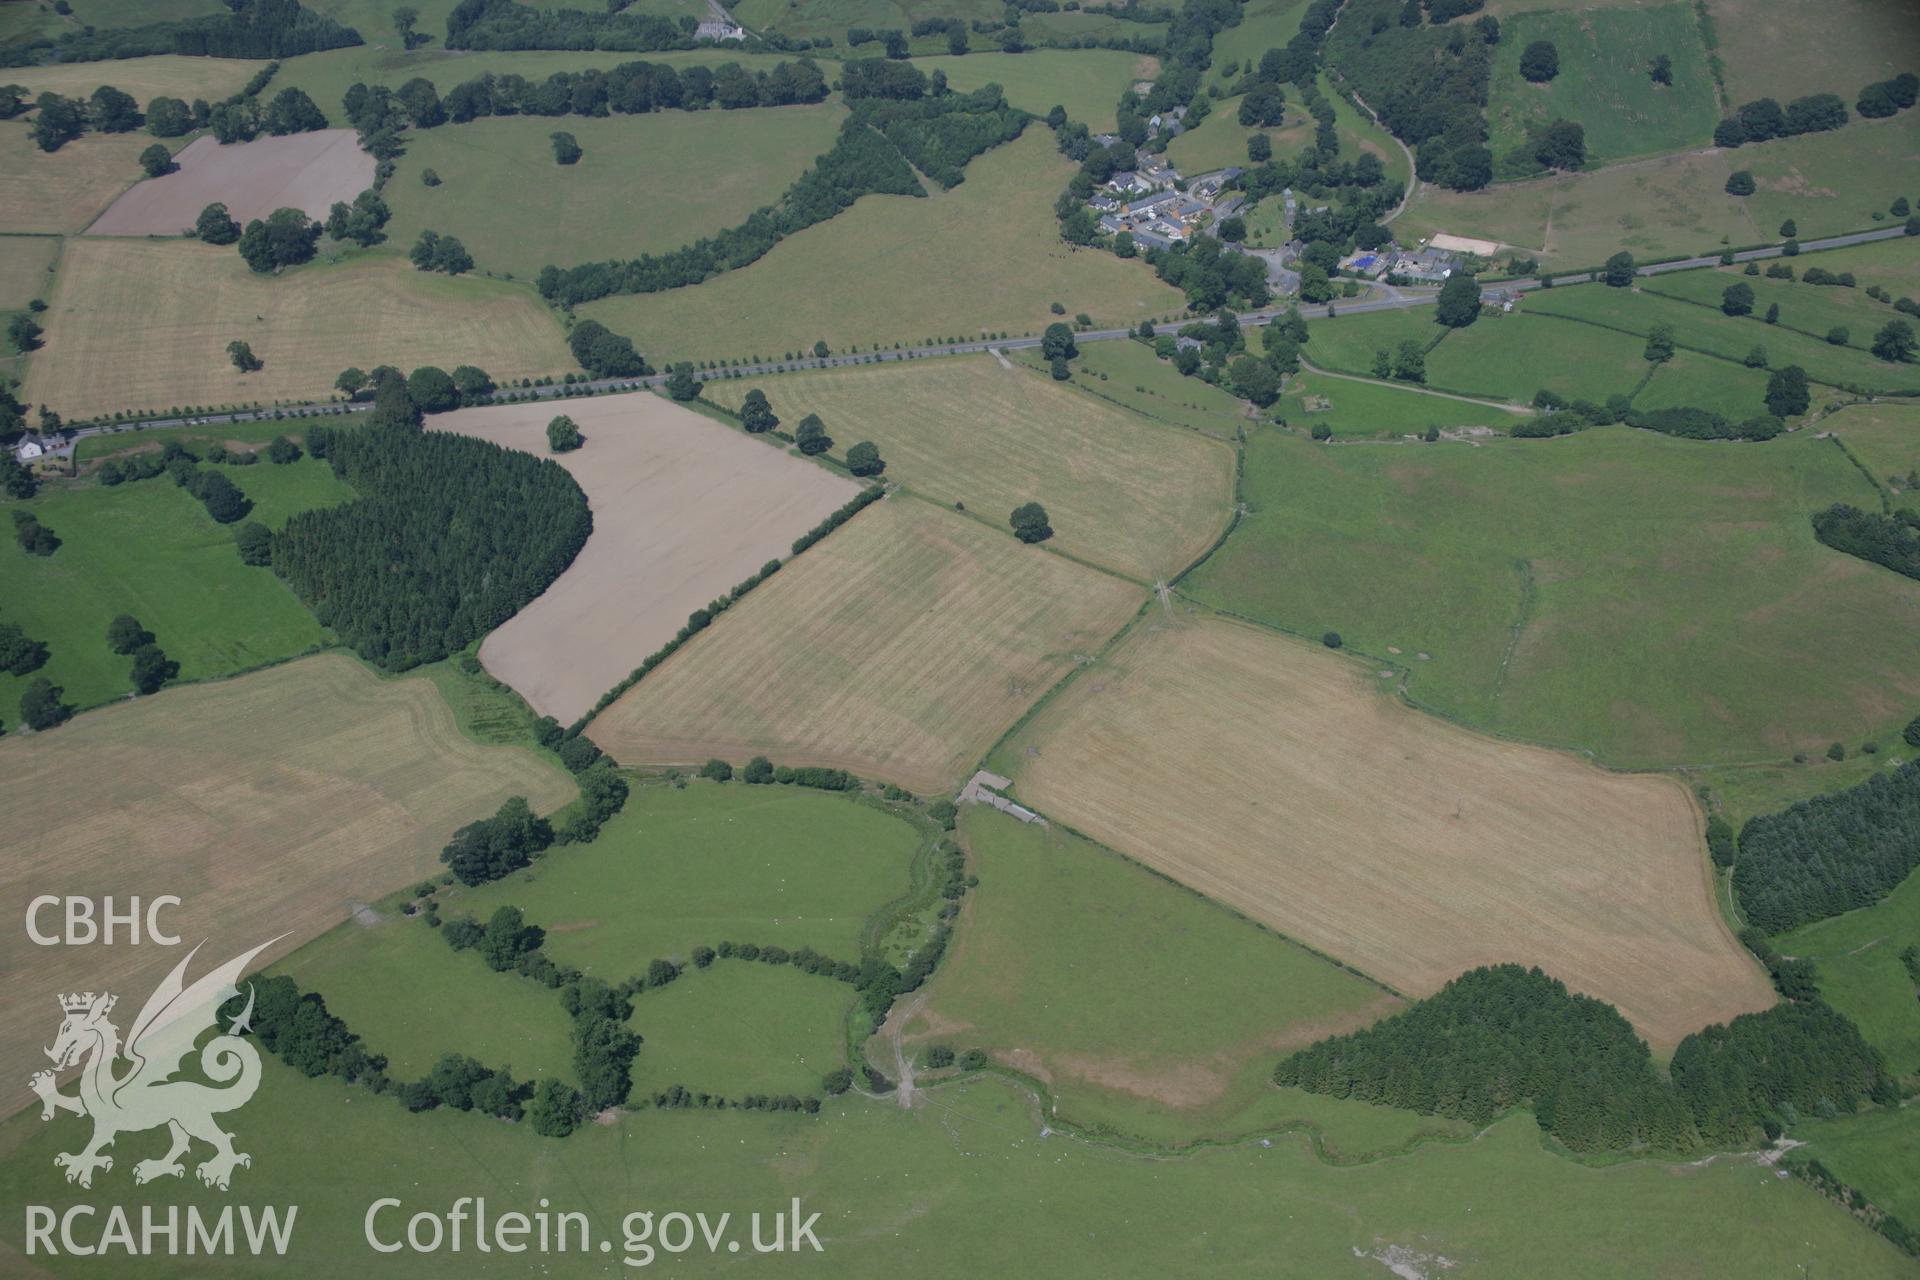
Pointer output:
144, 1094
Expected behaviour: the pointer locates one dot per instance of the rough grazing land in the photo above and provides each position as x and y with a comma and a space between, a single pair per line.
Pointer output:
305, 171
899, 647
1268, 774
143, 324
26, 268
683, 509
1123, 492
270, 804
64, 190
1784, 48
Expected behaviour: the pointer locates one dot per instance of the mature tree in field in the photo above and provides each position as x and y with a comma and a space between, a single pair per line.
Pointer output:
280, 451
681, 384
57, 121
1540, 61
1562, 145
1660, 70
1839, 335
717, 770
566, 149
1659, 347
16, 481
34, 538
404, 19
1264, 106
1740, 183
1382, 363
285, 239
1332, 640
1059, 369
1124, 246
1787, 393
113, 111
1459, 304
1410, 362
156, 160
756, 415
1894, 342
1789, 229
864, 459
292, 111
13, 100
1259, 148
1773, 313
23, 332
169, 118
1254, 380
215, 225
19, 655
41, 706
563, 435
759, 771
555, 1111
351, 380
811, 435
1899, 208
431, 388
152, 668
474, 384
1756, 358
1618, 273
360, 221
1737, 299
1029, 522
435, 252
493, 847
820, 350
1057, 343
242, 356
125, 634
255, 543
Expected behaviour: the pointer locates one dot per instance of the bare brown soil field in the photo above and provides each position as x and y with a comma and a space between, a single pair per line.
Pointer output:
1267, 773
270, 805
1122, 490
145, 324
306, 171
900, 648
683, 509
64, 190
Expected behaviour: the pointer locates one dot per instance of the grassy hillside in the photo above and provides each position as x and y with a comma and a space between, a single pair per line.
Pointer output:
1087, 82
674, 176
1643, 598
985, 256
1857, 956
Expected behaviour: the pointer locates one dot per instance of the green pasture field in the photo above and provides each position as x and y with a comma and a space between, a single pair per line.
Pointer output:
408, 995
1515, 355
1087, 82
1894, 264
1877, 1152
1785, 48
1746, 791
1211, 998
1264, 25
1806, 309
1079, 24
1857, 957
517, 211
834, 17
1639, 597
1347, 343
1706, 329
150, 549
26, 269
684, 868
1352, 408
1603, 83
954, 1184
739, 1027
1221, 139
1677, 206
1706, 383
129, 439
1885, 439
864, 278
1131, 375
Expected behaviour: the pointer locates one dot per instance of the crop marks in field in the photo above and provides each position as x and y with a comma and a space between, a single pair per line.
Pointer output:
899, 648
306, 171
269, 804
144, 324
683, 510
1269, 774
1132, 495
1620, 592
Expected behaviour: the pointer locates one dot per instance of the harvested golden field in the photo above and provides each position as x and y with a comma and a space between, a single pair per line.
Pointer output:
900, 648
683, 509
145, 324
1122, 491
270, 805
1272, 775
175, 76
26, 269
62, 191
986, 255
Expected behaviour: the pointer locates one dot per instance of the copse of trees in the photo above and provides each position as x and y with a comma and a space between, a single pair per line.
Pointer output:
1883, 98
57, 121
361, 221
604, 353
509, 24
216, 226
20, 655
292, 111
1764, 119
450, 536
493, 847
435, 252
1459, 302
286, 238
1889, 540
1832, 853
1540, 62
